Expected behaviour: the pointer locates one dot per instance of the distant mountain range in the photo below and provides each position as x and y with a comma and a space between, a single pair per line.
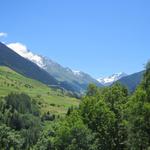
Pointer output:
73, 80
129, 81
17, 57
107, 81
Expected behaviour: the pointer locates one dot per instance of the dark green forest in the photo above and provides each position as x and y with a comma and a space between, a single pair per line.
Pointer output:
108, 118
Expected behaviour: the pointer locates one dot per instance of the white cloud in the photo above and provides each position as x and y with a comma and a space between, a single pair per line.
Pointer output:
22, 50
3, 34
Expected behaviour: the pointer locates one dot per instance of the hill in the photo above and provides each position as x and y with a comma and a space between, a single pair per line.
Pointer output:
54, 100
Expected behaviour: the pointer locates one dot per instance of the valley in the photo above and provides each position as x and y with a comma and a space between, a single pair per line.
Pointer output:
75, 75
75, 81
54, 100
66, 109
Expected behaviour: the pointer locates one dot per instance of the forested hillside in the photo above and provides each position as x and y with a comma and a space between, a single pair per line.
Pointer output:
107, 119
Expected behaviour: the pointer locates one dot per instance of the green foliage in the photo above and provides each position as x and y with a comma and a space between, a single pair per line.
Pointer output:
98, 124
97, 115
103, 113
116, 98
68, 134
48, 117
9, 139
91, 90
107, 119
21, 103
41, 93
17, 113
139, 115
70, 110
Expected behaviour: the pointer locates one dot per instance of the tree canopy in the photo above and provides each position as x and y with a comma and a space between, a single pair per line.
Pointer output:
107, 118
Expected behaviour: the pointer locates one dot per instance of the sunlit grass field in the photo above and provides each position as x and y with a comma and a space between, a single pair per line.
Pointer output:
48, 99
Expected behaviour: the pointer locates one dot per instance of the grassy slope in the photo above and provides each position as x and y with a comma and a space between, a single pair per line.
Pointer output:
48, 99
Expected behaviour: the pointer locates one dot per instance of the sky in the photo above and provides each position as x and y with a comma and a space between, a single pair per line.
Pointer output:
99, 37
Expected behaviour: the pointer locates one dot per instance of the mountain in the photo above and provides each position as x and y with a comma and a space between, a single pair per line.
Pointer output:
17, 57
106, 81
23, 66
132, 81
22, 51
78, 80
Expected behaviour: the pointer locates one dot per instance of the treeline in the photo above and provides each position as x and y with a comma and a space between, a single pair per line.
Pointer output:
107, 119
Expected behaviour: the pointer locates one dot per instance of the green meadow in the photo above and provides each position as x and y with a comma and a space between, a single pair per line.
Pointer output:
55, 101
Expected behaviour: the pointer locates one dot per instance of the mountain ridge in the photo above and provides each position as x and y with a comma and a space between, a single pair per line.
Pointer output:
77, 79
27, 68
73, 80
107, 81
131, 81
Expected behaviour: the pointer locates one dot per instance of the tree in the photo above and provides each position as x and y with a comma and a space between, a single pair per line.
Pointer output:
92, 90
68, 134
139, 115
9, 139
20, 115
20, 102
116, 97
99, 118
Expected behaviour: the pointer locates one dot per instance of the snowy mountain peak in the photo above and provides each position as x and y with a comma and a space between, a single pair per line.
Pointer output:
111, 79
24, 52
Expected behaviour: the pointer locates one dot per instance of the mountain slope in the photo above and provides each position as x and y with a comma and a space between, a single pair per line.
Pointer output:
23, 66
48, 99
76, 79
132, 81
106, 81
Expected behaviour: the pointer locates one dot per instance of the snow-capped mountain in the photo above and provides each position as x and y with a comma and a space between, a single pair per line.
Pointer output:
21, 65
106, 81
69, 79
24, 52
77, 79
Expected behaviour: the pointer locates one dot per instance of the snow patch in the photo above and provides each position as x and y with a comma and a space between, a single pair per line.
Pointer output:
22, 50
111, 79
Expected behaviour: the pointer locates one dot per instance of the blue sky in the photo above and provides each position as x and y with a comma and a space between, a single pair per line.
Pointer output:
96, 36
